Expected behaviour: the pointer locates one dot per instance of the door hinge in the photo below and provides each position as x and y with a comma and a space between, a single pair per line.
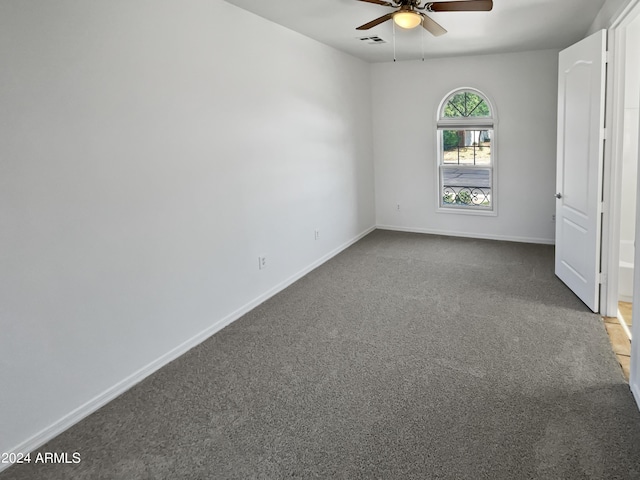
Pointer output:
606, 56
602, 278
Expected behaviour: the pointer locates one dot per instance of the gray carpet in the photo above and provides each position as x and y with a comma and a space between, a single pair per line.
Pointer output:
406, 356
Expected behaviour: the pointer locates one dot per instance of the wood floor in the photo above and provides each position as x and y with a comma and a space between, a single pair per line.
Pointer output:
625, 310
619, 337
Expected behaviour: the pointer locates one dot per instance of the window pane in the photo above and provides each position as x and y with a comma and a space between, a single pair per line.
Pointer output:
466, 147
465, 105
466, 187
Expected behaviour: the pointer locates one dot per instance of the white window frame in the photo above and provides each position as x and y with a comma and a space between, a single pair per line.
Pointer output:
467, 123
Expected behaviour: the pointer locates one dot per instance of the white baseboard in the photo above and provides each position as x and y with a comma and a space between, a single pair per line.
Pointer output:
119, 388
635, 390
633, 377
485, 236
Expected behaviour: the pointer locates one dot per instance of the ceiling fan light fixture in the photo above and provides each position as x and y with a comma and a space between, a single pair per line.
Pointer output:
407, 19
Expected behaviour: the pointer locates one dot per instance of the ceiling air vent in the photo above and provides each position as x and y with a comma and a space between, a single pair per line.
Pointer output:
372, 40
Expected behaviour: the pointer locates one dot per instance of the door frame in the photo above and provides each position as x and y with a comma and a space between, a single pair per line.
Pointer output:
612, 181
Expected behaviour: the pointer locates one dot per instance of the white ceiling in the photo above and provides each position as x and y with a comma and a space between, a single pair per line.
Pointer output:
512, 26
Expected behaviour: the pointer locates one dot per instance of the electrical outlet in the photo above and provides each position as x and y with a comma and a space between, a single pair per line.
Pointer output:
317, 234
397, 206
262, 263
553, 217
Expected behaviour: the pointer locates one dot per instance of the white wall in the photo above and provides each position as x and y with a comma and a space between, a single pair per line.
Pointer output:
633, 32
406, 96
610, 10
149, 152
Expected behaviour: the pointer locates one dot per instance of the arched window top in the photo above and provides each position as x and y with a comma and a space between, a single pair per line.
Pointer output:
465, 105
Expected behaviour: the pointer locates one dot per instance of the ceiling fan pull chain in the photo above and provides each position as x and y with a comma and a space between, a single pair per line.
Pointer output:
422, 39
394, 41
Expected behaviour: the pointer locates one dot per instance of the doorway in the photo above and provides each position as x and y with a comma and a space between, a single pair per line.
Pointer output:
621, 256
629, 173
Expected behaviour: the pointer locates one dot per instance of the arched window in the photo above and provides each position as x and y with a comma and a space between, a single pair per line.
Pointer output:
466, 153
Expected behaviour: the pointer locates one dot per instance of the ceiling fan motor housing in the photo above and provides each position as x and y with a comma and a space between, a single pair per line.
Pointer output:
408, 16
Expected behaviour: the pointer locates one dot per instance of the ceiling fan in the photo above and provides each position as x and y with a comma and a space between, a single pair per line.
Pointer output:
409, 13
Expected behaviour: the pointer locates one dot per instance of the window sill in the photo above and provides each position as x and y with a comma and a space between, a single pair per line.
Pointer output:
468, 211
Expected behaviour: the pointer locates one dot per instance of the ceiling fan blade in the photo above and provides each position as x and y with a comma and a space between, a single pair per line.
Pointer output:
375, 22
464, 6
378, 2
432, 26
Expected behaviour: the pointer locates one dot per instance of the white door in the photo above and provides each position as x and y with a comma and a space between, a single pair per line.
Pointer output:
581, 96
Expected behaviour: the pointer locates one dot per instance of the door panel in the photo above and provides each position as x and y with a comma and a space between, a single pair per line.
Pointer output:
577, 87
581, 93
